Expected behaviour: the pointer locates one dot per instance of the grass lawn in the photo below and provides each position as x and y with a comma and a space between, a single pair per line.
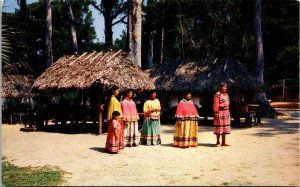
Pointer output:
31, 176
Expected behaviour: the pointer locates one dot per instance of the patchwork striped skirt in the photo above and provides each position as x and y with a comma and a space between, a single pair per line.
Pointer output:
150, 133
115, 139
222, 123
186, 134
131, 133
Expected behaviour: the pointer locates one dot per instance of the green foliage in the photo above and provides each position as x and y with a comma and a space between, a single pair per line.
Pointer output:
70, 96
31, 176
121, 43
281, 39
199, 28
5, 46
28, 34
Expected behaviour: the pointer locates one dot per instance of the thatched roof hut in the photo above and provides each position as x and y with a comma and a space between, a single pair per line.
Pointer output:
103, 69
17, 85
204, 75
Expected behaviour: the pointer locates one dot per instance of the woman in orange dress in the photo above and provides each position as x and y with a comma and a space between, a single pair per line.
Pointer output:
186, 126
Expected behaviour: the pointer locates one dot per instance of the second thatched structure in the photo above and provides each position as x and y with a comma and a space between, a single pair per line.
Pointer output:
203, 77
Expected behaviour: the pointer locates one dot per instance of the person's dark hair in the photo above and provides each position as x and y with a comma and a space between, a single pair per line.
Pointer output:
186, 92
222, 84
128, 91
114, 88
115, 113
151, 92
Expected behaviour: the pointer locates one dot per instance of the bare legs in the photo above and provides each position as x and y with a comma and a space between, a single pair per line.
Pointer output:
223, 140
218, 139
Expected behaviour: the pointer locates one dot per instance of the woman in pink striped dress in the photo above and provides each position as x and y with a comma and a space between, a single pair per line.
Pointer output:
130, 118
222, 114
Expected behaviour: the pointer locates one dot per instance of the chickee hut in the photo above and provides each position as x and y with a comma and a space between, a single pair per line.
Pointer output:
92, 74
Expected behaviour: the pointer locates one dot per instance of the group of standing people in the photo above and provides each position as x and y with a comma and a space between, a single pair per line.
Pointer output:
123, 121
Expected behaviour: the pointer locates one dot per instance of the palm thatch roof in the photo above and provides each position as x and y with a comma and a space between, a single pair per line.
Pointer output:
104, 69
203, 75
17, 85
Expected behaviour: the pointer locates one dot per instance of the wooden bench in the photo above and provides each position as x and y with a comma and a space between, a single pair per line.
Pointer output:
251, 113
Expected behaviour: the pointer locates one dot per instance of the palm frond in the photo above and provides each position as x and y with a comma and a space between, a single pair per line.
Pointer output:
6, 48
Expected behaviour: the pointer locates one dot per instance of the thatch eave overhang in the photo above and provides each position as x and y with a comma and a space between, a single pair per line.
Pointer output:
104, 69
203, 76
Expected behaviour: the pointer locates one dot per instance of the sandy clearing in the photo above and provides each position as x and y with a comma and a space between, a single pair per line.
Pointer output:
264, 155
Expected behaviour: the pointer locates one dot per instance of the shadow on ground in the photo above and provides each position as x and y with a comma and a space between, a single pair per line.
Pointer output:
99, 149
70, 128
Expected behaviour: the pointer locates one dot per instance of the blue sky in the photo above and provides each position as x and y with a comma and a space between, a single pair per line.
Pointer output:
11, 5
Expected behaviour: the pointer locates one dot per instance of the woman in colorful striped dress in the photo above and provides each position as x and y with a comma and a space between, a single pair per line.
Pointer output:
115, 105
130, 120
186, 126
222, 114
114, 134
150, 133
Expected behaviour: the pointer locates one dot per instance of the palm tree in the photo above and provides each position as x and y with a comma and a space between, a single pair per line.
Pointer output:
49, 51
135, 31
5, 46
72, 26
261, 96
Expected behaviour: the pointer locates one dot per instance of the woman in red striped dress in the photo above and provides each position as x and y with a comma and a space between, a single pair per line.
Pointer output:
222, 114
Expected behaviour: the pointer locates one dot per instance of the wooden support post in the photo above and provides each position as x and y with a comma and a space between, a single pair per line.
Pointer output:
84, 106
41, 111
100, 119
100, 123
283, 88
11, 118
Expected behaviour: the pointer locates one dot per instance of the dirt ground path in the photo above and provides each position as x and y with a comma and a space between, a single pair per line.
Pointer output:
264, 155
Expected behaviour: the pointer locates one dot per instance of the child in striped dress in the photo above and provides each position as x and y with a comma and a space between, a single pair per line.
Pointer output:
114, 135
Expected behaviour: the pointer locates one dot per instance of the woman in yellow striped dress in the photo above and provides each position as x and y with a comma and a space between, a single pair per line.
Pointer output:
186, 126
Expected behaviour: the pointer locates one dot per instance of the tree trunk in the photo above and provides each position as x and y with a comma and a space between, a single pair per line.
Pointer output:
23, 9
261, 97
107, 9
135, 31
110, 9
259, 43
162, 45
162, 37
49, 52
72, 26
181, 30
150, 51
108, 30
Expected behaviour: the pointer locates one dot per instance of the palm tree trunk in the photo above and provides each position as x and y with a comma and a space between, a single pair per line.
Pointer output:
261, 97
135, 43
49, 52
72, 26
162, 38
23, 9
150, 51
259, 43
108, 30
